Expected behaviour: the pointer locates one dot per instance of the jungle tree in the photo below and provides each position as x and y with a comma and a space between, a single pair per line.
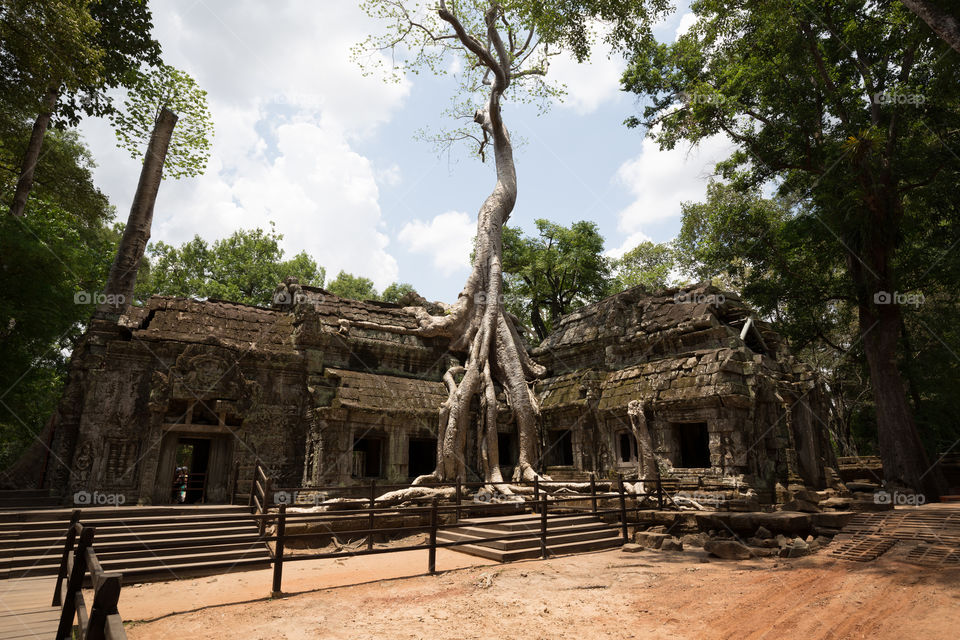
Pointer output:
849, 109
60, 58
158, 100
505, 47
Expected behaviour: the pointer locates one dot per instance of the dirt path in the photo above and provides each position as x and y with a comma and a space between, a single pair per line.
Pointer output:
608, 594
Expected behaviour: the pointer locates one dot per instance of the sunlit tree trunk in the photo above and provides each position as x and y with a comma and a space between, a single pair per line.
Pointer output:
32, 154
126, 264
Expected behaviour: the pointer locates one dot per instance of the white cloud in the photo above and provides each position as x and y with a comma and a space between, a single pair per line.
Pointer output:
687, 20
448, 238
287, 103
661, 180
592, 83
390, 176
629, 242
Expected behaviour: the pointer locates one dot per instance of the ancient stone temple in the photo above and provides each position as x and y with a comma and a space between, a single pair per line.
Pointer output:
325, 391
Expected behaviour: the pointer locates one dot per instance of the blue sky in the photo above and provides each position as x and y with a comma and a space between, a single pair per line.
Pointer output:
303, 139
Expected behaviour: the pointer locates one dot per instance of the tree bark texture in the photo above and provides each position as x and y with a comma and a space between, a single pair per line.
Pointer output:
942, 23
497, 359
126, 264
32, 154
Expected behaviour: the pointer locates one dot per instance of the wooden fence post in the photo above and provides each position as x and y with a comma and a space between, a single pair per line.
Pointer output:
253, 484
623, 509
593, 493
432, 557
276, 591
459, 497
659, 490
543, 528
371, 523
105, 596
536, 492
67, 548
74, 584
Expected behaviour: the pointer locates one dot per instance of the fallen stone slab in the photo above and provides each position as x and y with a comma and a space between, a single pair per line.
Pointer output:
728, 549
650, 539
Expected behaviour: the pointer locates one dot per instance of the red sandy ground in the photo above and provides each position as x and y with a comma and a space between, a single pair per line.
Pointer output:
608, 594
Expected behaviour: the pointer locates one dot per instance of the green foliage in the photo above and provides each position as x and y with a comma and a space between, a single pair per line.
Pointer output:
648, 265
82, 48
244, 267
52, 264
559, 270
849, 110
170, 88
347, 285
47, 44
397, 290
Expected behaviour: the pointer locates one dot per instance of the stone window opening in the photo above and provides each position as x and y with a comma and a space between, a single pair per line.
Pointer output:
559, 452
693, 445
626, 448
507, 450
421, 456
367, 458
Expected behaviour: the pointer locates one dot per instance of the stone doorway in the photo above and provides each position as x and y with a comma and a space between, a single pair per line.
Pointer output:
194, 468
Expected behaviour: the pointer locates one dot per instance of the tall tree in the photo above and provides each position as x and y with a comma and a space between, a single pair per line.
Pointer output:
51, 266
944, 24
347, 285
61, 57
560, 269
505, 49
849, 107
244, 267
649, 265
152, 109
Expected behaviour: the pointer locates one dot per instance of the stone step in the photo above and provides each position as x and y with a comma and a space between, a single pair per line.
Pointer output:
99, 513
554, 537
609, 542
526, 522
565, 534
139, 541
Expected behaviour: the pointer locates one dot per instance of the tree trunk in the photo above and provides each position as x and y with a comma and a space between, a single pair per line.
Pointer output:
497, 359
905, 462
32, 155
123, 273
942, 23
646, 460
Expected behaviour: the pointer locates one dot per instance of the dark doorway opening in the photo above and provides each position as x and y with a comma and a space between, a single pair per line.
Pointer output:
507, 451
627, 447
190, 475
694, 442
422, 455
367, 462
559, 448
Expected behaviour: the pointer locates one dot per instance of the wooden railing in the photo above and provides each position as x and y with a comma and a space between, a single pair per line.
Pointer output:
541, 502
260, 497
101, 622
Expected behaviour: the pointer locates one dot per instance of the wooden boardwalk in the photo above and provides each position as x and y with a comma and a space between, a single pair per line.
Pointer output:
25, 610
